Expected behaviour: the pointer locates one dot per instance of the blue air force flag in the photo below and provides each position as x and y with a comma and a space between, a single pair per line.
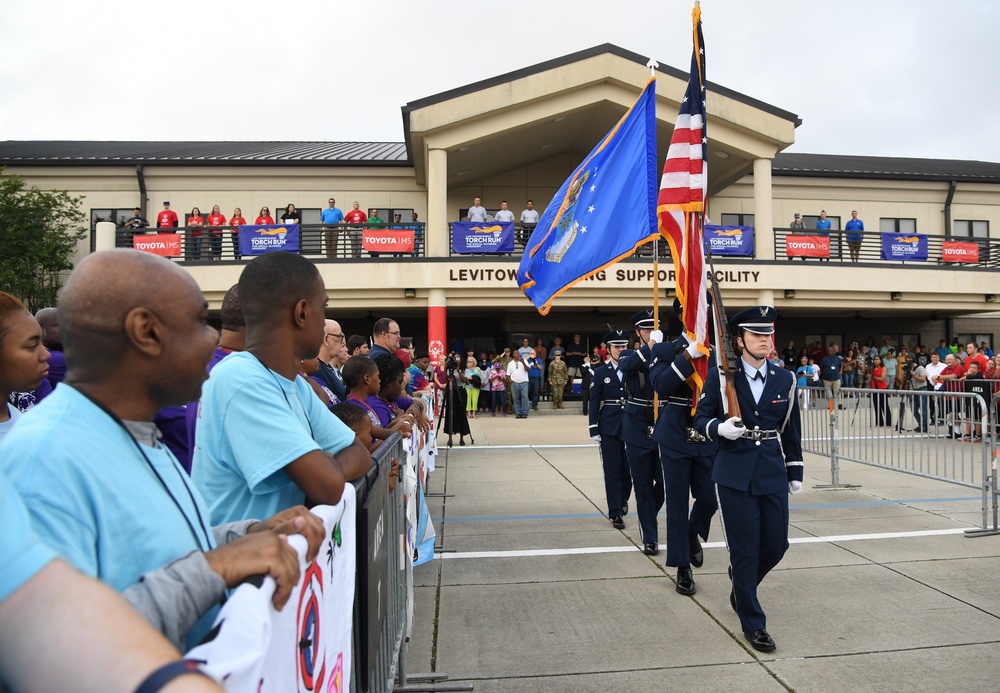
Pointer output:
601, 214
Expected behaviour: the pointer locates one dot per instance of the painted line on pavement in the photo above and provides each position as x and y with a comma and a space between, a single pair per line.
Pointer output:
592, 550
514, 447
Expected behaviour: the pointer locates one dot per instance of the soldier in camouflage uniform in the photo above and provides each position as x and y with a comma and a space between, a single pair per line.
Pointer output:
558, 377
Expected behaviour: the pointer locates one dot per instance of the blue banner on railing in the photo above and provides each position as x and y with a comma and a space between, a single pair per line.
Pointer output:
482, 237
257, 240
729, 240
904, 246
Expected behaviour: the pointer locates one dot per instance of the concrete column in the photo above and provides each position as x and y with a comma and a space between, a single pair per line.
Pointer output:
437, 324
763, 210
765, 297
437, 203
104, 238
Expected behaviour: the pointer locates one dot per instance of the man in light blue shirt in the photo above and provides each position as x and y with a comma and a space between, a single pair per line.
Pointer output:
264, 441
330, 217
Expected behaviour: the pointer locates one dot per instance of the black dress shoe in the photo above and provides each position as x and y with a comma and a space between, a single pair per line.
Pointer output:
617, 522
625, 508
685, 583
760, 640
697, 554
650, 548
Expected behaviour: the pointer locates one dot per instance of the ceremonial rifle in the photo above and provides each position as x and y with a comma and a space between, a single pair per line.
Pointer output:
726, 350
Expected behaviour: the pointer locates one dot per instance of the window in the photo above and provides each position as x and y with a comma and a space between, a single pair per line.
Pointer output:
893, 225
737, 219
810, 221
116, 216
966, 228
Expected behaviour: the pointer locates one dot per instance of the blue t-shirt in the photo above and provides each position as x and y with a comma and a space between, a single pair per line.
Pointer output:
854, 225
823, 225
254, 423
829, 367
94, 499
804, 375
331, 216
22, 554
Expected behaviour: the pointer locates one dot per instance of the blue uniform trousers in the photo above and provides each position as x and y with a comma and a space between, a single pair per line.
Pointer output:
647, 479
617, 479
685, 476
757, 533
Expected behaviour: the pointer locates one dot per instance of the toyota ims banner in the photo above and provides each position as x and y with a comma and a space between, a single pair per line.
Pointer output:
807, 246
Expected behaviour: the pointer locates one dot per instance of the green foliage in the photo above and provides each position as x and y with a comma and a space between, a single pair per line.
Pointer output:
39, 231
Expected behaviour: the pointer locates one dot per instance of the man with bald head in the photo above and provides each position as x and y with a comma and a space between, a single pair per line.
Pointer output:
265, 441
332, 355
102, 490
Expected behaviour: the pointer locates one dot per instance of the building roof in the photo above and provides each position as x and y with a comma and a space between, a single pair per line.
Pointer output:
884, 167
93, 153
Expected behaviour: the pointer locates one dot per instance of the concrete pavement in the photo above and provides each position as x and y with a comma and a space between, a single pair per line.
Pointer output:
533, 589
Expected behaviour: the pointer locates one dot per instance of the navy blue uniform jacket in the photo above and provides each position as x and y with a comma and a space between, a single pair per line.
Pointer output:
668, 374
606, 420
634, 366
742, 464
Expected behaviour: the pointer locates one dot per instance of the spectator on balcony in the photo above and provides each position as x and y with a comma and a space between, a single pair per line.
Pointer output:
331, 216
290, 216
477, 212
375, 222
418, 231
216, 219
138, 222
264, 218
196, 222
823, 224
855, 234
529, 217
166, 219
797, 223
357, 219
504, 215
236, 221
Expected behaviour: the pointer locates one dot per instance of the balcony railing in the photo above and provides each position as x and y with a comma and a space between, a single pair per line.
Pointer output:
870, 249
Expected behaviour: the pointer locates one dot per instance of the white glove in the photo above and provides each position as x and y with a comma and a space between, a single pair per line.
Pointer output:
597, 438
656, 336
794, 487
729, 428
692, 350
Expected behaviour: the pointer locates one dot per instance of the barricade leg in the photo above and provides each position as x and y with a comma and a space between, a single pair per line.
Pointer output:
836, 405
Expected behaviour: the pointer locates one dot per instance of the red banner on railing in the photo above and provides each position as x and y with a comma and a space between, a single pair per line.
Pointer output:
387, 240
807, 246
165, 244
957, 251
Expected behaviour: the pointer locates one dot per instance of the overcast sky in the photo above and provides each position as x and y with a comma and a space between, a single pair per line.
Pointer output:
913, 78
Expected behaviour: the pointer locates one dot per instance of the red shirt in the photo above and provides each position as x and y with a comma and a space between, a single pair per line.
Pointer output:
237, 221
195, 221
356, 216
167, 219
978, 358
264, 221
216, 220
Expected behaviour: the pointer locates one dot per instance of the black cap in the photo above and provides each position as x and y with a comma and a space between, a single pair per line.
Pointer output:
756, 319
644, 318
616, 338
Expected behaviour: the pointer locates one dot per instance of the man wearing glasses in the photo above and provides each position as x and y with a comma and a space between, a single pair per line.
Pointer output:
385, 336
332, 355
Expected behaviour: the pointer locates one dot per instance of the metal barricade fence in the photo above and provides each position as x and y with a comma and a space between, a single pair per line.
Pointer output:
947, 436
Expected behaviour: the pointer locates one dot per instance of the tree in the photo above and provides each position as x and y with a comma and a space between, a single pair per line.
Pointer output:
39, 232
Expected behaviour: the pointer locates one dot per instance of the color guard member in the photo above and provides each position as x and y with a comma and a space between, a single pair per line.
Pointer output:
607, 401
758, 465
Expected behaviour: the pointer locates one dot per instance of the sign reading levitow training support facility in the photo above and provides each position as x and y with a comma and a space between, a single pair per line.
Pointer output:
729, 240
165, 244
257, 240
482, 237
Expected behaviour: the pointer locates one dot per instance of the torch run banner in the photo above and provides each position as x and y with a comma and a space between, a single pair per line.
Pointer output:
257, 240
904, 246
305, 647
729, 240
482, 237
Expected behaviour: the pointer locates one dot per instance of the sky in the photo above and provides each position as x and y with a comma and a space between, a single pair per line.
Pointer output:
908, 78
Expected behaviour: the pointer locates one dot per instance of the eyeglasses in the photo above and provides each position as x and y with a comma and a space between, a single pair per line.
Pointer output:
340, 337
395, 333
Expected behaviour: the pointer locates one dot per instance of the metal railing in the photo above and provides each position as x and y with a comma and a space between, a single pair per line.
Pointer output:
318, 241
870, 249
941, 435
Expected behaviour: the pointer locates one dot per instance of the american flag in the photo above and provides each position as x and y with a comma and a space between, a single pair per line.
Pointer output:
681, 204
